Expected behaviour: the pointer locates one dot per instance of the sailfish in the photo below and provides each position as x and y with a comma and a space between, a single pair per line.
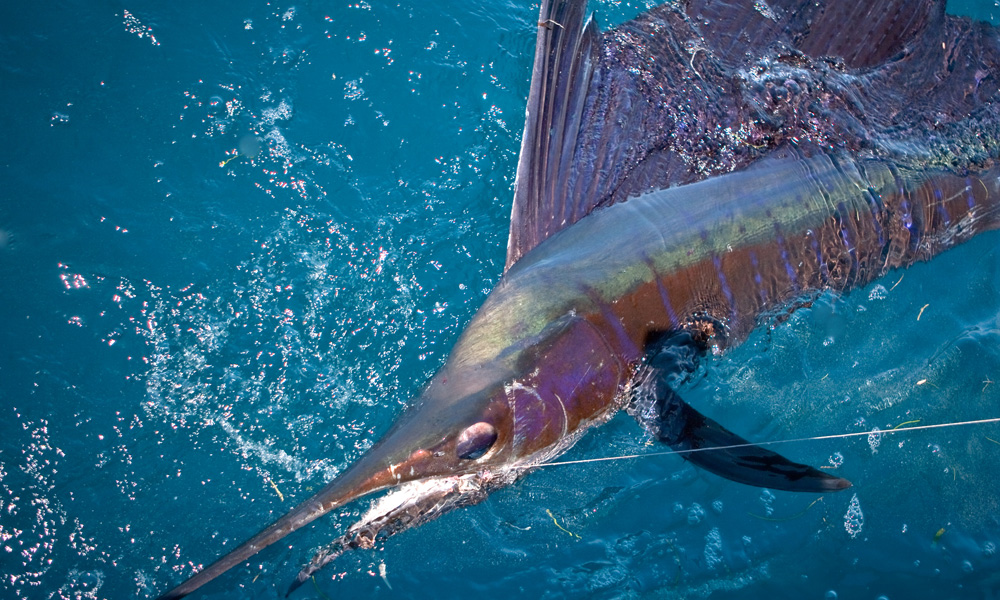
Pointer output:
682, 175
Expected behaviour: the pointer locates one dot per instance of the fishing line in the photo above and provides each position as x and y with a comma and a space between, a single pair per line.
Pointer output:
874, 432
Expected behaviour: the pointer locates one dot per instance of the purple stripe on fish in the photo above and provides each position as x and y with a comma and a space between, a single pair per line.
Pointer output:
941, 208
875, 204
717, 261
780, 240
757, 278
665, 299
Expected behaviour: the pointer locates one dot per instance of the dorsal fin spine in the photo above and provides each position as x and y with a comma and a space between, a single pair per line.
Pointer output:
580, 66
565, 57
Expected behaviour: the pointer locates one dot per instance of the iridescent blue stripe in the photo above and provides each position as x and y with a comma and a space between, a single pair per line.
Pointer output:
780, 240
757, 278
665, 299
875, 204
941, 208
824, 271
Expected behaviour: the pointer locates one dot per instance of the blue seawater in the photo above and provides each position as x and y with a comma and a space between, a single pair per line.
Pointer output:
236, 238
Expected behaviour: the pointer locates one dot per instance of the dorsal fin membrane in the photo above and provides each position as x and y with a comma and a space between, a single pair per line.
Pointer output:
862, 34
565, 56
866, 34
695, 89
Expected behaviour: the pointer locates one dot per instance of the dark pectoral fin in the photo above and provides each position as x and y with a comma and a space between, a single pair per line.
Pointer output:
714, 448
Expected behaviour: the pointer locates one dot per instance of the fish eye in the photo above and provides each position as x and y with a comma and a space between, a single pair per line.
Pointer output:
475, 441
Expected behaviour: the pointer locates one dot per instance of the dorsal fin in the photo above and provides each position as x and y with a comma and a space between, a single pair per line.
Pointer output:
865, 34
688, 91
565, 55
862, 34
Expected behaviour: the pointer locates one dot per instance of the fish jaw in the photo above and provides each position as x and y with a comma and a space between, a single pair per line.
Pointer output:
410, 505
477, 426
568, 382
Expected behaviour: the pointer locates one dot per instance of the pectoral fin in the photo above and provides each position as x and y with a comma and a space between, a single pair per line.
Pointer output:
714, 448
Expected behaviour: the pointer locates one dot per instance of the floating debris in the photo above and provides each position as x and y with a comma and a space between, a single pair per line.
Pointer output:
554, 520
280, 495
938, 535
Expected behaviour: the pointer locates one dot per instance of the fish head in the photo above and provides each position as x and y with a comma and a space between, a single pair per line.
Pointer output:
485, 419
459, 424
518, 408
478, 426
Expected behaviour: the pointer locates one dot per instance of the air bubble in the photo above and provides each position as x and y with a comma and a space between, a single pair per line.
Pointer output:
606, 578
854, 519
874, 439
878, 293
695, 514
713, 548
767, 499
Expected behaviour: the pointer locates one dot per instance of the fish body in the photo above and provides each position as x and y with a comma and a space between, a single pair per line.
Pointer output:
585, 304
599, 283
732, 248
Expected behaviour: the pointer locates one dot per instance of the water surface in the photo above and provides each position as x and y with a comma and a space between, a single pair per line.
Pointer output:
236, 239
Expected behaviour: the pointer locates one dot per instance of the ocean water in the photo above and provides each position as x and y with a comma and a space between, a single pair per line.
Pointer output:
236, 238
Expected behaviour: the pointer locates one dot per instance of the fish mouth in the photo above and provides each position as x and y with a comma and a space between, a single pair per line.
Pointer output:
413, 503
409, 505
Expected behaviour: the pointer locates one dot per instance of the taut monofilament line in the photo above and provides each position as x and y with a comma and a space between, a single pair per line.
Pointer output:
877, 432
